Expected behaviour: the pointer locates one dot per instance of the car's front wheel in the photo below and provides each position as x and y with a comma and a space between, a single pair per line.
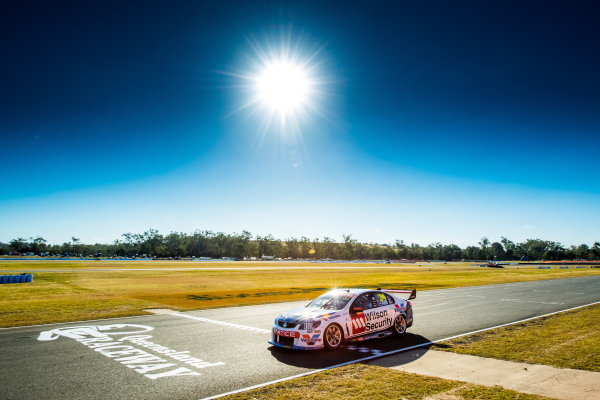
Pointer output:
333, 337
399, 324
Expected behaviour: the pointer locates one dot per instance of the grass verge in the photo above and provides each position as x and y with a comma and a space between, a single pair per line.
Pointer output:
360, 381
566, 340
64, 291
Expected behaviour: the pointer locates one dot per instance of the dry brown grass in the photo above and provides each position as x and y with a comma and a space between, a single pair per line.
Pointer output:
567, 340
359, 381
99, 290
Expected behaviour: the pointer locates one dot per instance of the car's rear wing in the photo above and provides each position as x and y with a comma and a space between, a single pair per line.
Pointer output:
413, 293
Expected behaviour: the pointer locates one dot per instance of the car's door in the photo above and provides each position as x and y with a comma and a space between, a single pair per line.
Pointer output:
390, 308
371, 312
357, 316
381, 316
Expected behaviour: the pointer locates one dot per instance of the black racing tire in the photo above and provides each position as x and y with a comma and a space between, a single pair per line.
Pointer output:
399, 327
333, 336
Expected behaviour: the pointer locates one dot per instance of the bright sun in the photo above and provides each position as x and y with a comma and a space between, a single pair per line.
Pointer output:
283, 87
282, 83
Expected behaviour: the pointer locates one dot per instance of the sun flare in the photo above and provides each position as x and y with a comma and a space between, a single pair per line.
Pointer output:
283, 86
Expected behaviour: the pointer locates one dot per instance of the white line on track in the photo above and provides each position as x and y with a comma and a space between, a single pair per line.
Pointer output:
228, 324
390, 353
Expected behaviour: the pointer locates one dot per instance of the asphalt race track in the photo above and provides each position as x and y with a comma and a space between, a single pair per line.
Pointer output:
198, 354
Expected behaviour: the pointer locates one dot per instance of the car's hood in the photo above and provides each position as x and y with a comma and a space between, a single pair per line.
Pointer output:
302, 313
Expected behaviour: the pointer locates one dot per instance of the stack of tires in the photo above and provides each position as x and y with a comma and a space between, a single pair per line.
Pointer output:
23, 278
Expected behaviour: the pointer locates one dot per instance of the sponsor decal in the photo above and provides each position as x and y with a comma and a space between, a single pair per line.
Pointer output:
368, 321
307, 338
379, 324
280, 332
373, 315
327, 317
358, 323
111, 342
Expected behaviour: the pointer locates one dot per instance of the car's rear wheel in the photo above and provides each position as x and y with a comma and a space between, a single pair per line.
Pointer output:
399, 325
333, 337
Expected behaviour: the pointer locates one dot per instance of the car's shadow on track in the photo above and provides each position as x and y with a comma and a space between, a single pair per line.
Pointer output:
350, 351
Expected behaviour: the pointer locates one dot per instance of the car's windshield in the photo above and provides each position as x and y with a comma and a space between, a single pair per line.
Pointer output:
331, 301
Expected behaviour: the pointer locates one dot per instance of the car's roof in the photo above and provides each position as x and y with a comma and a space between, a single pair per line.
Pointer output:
350, 290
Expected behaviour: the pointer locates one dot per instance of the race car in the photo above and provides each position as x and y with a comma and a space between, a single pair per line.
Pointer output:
343, 315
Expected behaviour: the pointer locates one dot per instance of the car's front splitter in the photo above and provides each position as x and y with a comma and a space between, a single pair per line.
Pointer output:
296, 347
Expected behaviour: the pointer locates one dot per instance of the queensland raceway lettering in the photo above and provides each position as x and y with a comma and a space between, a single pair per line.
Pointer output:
99, 338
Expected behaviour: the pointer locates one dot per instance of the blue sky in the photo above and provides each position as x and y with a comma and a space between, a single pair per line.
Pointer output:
436, 121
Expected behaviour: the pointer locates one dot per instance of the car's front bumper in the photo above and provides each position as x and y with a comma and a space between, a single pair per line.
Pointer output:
295, 339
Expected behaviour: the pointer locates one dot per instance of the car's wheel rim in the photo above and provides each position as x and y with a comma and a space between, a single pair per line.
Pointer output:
334, 336
400, 324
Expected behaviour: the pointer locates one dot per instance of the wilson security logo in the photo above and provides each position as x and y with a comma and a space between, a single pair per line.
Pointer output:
369, 321
123, 343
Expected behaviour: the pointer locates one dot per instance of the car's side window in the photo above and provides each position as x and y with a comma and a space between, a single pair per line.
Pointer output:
390, 299
364, 302
373, 300
382, 299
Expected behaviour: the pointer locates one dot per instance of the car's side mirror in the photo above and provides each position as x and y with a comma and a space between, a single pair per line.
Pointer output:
357, 309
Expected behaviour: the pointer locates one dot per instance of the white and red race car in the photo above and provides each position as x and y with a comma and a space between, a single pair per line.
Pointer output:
344, 315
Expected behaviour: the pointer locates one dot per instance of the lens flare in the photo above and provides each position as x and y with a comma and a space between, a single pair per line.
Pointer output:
283, 87
282, 82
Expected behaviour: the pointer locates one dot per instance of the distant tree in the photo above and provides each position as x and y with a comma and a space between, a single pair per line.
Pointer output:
402, 249
19, 245
554, 251
348, 248
305, 247
471, 253
595, 251
582, 252
174, 244
216, 245
509, 248
484, 244
452, 252
293, 248
498, 251
266, 245
38, 245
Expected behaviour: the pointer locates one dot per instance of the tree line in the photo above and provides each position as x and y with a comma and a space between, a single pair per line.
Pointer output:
244, 245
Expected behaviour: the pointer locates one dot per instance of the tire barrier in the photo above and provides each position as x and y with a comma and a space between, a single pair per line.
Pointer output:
23, 278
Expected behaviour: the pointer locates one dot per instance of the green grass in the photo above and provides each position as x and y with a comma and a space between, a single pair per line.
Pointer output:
566, 340
97, 289
359, 381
